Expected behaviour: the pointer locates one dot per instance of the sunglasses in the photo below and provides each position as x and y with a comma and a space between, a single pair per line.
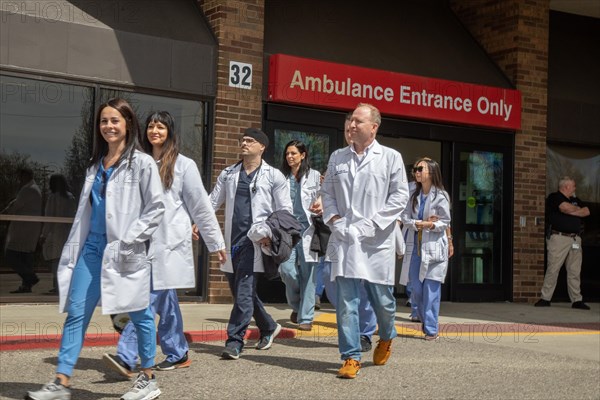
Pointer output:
417, 169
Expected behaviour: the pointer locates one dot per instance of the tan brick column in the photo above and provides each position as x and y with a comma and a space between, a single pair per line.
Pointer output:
514, 33
239, 28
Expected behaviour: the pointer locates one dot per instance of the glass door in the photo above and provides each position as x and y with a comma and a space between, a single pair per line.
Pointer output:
481, 223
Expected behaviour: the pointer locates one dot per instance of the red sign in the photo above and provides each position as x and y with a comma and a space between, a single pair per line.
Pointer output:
309, 82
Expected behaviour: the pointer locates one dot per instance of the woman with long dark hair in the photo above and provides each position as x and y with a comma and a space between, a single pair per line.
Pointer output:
425, 262
186, 201
120, 207
298, 271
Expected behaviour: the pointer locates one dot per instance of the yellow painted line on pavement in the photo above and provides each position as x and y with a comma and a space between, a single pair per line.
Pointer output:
325, 325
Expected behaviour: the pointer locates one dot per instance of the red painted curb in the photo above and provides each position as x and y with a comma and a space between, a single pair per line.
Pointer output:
31, 342
52, 341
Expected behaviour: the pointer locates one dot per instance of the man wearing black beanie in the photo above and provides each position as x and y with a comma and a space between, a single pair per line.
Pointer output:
251, 190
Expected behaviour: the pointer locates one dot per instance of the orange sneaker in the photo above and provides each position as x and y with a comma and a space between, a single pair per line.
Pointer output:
382, 352
350, 369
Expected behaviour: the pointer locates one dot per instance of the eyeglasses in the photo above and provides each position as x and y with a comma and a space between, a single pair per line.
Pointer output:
417, 169
248, 141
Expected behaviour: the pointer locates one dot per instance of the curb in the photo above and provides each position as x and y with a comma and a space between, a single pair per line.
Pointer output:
52, 341
32, 342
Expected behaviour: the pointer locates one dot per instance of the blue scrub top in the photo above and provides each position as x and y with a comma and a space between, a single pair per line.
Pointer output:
296, 197
417, 239
98, 200
242, 207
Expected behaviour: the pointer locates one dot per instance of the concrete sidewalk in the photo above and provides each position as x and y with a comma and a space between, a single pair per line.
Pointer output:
558, 329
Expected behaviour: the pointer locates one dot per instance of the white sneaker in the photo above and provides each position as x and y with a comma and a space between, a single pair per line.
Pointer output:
143, 388
51, 391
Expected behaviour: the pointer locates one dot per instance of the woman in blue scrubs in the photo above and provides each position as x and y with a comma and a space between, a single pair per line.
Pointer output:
426, 218
186, 202
105, 257
298, 271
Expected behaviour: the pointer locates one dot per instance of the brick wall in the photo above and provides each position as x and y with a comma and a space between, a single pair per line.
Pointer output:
514, 33
239, 28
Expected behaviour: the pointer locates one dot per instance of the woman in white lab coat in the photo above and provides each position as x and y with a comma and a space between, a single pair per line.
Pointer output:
186, 202
426, 258
106, 255
298, 271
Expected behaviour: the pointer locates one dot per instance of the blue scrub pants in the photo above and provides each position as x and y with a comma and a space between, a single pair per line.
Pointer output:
425, 296
84, 295
367, 320
299, 278
173, 343
413, 308
246, 303
348, 300
319, 282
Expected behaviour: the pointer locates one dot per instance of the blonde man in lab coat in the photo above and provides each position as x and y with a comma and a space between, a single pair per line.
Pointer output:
364, 192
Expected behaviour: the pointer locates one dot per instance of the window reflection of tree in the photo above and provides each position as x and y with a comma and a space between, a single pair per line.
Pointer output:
78, 155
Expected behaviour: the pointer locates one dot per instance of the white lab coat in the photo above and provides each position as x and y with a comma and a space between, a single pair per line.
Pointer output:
186, 201
134, 209
310, 186
272, 193
434, 242
373, 195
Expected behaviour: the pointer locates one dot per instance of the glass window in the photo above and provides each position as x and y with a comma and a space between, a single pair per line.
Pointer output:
188, 116
46, 128
45, 142
481, 199
316, 143
43, 125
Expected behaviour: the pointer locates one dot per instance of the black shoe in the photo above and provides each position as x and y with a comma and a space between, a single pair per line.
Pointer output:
22, 289
317, 302
543, 303
116, 364
231, 353
184, 362
294, 317
365, 344
580, 305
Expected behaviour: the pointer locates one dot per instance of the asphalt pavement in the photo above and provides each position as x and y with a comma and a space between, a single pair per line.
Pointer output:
485, 350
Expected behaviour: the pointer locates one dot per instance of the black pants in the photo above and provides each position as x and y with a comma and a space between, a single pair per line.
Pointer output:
22, 264
246, 303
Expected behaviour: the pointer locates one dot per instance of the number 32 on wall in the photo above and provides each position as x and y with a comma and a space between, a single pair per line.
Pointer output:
240, 75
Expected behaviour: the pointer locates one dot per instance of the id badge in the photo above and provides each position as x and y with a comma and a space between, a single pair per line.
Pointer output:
575, 246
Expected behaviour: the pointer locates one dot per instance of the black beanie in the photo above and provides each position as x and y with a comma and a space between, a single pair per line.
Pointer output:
257, 135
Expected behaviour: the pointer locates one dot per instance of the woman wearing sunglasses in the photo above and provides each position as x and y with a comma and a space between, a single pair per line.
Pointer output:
105, 256
425, 262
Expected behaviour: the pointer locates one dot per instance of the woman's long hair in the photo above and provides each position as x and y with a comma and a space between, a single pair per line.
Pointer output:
169, 150
304, 165
100, 146
436, 180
